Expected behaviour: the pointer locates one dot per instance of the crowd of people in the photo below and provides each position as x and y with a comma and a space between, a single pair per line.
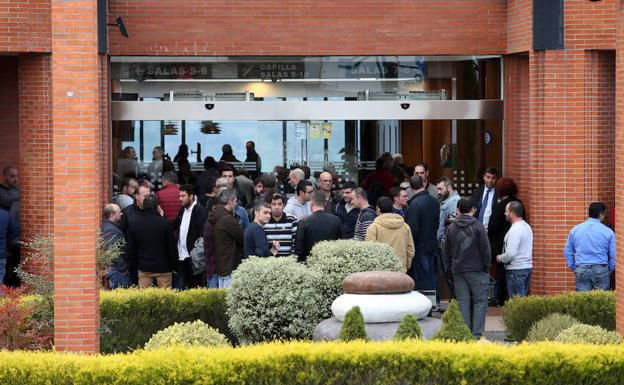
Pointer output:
176, 234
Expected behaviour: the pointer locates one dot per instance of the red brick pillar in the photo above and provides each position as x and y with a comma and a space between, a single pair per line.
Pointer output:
571, 130
76, 138
35, 138
619, 167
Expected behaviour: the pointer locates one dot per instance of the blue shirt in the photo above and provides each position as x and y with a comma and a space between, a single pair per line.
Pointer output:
243, 218
590, 243
255, 241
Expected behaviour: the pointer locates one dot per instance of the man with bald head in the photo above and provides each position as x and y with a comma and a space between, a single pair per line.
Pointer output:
294, 177
326, 181
9, 192
118, 274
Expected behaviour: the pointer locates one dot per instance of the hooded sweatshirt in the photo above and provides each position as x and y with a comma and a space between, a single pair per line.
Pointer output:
467, 248
391, 229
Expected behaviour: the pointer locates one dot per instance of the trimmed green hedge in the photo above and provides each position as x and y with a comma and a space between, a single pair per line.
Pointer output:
360, 363
130, 317
592, 308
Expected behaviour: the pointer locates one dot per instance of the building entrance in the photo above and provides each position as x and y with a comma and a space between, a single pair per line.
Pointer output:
338, 113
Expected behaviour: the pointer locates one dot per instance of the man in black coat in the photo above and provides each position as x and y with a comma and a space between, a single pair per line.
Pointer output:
152, 246
423, 215
118, 274
485, 196
320, 226
190, 227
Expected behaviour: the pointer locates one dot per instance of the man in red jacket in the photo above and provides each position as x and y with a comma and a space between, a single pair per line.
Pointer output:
169, 196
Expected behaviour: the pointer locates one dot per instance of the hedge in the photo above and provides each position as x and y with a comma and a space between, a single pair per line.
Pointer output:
130, 317
360, 363
592, 308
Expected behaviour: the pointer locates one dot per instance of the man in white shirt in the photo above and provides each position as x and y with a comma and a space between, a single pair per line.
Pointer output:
190, 224
518, 251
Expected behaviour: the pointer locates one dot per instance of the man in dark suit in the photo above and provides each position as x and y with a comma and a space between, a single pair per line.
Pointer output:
190, 226
485, 196
320, 226
423, 214
151, 246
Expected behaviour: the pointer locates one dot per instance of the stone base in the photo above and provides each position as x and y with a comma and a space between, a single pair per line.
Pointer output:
329, 329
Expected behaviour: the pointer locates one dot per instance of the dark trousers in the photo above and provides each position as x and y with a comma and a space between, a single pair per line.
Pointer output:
184, 279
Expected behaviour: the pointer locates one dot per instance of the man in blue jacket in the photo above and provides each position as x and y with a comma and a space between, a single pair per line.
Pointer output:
9, 234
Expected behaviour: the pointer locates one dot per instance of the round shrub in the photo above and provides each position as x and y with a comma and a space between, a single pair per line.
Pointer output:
273, 298
194, 333
549, 327
588, 334
334, 260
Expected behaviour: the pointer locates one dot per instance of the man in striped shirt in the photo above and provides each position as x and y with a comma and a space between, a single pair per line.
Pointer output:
366, 216
281, 227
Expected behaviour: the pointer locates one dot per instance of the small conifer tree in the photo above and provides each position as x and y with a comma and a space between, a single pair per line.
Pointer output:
408, 329
453, 326
353, 326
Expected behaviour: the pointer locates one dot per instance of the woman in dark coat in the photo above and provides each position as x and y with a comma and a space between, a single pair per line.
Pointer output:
506, 191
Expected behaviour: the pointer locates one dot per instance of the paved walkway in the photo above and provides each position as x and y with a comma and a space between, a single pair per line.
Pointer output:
494, 329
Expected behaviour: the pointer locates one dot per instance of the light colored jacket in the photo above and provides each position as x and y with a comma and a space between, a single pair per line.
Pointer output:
296, 209
391, 229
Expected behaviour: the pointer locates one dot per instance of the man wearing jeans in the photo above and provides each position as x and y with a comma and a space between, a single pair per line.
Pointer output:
590, 251
518, 251
468, 257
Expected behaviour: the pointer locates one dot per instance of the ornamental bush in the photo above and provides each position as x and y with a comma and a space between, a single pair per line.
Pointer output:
453, 326
188, 334
588, 334
273, 298
408, 329
334, 260
129, 317
549, 327
592, 308
353, 326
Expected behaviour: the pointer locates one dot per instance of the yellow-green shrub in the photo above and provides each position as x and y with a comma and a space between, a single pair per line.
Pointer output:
130, 317
592, 308
588, 334
187, 334
410, 362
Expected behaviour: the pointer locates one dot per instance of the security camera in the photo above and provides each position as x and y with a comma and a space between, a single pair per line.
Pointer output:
209, 106
405, 106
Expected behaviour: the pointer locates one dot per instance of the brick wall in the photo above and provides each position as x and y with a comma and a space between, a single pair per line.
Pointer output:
303, 27
35, 145
516, 125
619, 165
76, 138
519, 25
9, 113
25, 26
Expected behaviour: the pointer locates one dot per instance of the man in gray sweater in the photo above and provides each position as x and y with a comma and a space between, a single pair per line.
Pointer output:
518, 251
467, 256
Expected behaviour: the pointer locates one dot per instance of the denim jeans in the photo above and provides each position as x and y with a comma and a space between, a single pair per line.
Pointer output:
518, 282
592, 277
213, 282
424, 271
117, 279
225, 282
2, 269
471, 289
